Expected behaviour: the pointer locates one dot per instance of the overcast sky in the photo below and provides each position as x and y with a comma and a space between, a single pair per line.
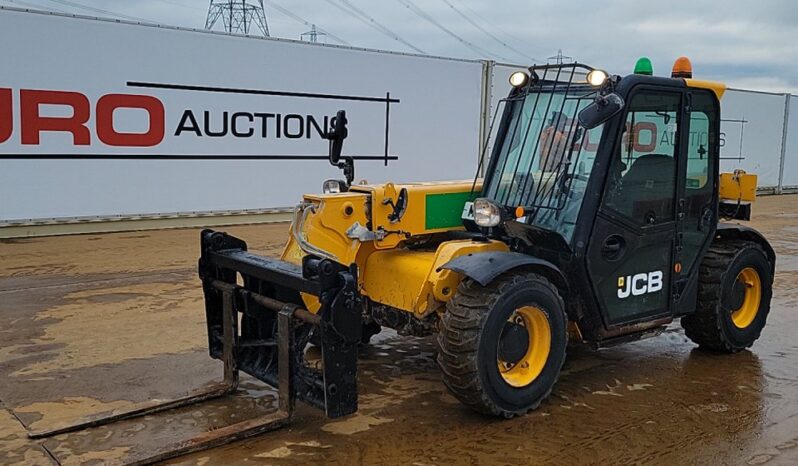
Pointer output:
750, 44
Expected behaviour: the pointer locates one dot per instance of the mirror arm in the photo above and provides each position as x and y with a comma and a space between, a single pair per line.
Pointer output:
348, 166
336, 135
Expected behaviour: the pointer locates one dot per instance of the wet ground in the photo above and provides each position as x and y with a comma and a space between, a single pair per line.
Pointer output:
94, 323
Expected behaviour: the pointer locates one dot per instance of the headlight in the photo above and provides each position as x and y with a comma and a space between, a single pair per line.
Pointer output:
518, 79
333, 186
486, 213
597, 77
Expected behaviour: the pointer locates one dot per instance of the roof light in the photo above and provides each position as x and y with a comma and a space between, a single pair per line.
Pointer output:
644, 67
682, 68
597, 77
519, 79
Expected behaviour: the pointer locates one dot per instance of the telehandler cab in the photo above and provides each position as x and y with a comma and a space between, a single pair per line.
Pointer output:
597, 221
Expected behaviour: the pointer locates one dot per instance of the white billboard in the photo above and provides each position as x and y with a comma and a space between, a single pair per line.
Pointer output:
752, 128
99, 118
791, 150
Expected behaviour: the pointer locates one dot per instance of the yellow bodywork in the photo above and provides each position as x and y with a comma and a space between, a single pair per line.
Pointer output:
718, 88
737, 186
395, 268
413, 280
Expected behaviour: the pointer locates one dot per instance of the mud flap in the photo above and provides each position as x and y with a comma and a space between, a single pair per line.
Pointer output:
263, 289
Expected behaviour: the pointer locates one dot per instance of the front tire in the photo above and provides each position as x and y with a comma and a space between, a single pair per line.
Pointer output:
501, 347
734, 292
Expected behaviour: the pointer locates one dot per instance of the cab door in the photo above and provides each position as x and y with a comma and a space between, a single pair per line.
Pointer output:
631, 253
697, 212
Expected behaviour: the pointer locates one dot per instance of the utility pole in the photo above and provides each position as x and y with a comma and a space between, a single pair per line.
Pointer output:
313, 35
560, 58
238, 16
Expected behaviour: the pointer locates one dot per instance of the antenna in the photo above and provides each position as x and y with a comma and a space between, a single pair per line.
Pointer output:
238, 16
313, 35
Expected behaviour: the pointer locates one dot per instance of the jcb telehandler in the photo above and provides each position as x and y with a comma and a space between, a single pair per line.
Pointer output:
596, 219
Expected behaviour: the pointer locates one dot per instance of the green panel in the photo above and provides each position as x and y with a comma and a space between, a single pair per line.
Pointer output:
444, 210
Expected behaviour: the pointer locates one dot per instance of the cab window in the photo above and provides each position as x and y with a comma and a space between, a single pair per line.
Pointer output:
642, 179
700, 178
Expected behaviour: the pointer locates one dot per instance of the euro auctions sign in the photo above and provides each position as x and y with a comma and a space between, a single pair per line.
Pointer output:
33, 123
103, 118
71, 120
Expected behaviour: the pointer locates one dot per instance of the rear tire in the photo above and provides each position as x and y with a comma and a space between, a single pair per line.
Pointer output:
519, 317
734, 292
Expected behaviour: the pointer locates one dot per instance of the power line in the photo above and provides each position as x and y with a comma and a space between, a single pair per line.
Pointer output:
363, 17
182, 5
424, 15
503, 31
101, 11
488, 33
295, 17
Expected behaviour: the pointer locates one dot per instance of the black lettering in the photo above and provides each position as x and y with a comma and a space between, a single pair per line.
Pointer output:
188, 123
312, 122
264, 123
218, 134
234, 125
287, 126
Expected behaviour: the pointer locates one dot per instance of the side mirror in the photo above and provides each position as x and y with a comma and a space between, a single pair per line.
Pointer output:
336, 136
601, 110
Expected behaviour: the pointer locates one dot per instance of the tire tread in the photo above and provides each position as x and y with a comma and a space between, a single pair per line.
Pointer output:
459, 338
704, 326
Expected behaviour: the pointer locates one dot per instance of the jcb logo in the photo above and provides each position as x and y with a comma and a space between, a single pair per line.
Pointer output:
639, 284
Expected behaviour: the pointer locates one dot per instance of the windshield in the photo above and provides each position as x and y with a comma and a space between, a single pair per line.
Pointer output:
543, 157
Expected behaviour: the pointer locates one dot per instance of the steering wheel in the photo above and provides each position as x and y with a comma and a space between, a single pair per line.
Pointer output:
565, 183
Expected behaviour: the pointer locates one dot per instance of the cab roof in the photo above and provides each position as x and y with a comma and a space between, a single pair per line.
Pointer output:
714, 86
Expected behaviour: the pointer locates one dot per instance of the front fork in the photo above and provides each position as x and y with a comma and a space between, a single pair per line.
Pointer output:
274, 325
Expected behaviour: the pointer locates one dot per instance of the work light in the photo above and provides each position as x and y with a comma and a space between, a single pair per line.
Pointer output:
519, 79
333, 186
597, 77
486, 213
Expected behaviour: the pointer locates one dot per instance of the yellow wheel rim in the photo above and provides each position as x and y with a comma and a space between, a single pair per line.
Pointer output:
746, 313
531, 365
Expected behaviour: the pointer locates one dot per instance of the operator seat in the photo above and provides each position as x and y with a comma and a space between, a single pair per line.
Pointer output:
647, 189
